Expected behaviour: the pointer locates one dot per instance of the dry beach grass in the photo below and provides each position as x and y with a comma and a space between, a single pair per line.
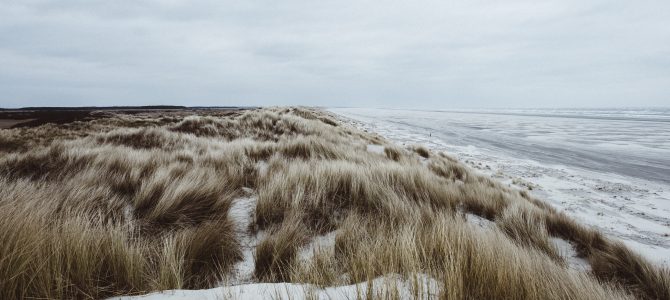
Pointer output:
128, 204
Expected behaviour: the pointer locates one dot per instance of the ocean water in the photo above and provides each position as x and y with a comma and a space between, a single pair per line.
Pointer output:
631, 142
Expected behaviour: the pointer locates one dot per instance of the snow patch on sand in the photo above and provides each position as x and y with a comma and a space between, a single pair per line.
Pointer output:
262, 167
567, 251
379, 149
128, 212
321, 242
419, 286
479, 221
242, 214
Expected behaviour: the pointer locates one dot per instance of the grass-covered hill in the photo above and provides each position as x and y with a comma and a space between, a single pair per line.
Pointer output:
125, 204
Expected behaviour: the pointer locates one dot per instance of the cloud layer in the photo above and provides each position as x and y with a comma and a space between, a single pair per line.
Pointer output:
420, 54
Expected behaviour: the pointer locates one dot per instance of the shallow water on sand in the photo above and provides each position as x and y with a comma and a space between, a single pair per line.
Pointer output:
629, 142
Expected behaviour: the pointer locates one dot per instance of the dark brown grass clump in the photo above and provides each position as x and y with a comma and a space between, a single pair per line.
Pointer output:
210, 250
422, 151
587, 240
448, 170
182, 195
620, 265
612, 261
394, 153
483, 200
526, 226
275, 255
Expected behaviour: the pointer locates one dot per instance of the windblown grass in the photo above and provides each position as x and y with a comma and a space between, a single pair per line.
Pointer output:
128, 204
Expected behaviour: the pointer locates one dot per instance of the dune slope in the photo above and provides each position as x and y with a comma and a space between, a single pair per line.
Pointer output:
130, 204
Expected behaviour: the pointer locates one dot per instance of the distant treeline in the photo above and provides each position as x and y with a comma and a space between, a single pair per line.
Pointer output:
148, 107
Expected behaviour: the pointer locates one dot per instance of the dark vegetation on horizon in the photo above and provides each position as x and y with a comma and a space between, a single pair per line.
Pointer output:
119, 108
36, 116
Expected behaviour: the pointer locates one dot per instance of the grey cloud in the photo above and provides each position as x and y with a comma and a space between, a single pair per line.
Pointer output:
428, 54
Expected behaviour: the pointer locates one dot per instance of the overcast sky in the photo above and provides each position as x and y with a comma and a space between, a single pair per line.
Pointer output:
416, 54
